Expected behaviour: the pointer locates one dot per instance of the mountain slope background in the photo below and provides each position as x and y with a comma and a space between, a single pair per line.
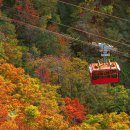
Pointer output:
44, 77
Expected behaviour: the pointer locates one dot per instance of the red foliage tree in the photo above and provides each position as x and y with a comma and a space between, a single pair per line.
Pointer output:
74, 110
26, 11
44, 74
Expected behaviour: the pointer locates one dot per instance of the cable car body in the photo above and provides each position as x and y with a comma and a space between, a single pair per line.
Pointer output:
104, 73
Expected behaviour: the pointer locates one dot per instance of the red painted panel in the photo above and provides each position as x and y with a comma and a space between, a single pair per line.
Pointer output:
105, 80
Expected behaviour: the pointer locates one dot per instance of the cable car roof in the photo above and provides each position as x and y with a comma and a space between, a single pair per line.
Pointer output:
104, 66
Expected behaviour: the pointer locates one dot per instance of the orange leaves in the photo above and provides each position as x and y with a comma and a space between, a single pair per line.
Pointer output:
3, 113
67, 100
11, 73
17, 92
62, 40
52, 28
74, 110
35, 107
5, 88
9, 125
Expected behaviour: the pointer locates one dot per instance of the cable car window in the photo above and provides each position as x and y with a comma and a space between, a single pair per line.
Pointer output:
106, 74
101, 74
95, 75
114, 73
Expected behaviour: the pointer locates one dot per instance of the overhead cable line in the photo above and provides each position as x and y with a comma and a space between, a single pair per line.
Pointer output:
89, 33
94, 11
56, 33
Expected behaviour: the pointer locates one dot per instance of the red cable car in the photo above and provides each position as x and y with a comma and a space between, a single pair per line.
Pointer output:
107, 72
104, 73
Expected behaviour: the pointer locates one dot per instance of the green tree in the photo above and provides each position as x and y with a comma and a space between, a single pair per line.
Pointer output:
10, 50
120, 98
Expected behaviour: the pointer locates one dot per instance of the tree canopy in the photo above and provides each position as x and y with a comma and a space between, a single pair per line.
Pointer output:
46, 48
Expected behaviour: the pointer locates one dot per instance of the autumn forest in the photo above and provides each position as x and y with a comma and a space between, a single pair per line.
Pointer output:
46, 47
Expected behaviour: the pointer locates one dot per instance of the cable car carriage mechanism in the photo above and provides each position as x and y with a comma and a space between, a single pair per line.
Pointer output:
106, 72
